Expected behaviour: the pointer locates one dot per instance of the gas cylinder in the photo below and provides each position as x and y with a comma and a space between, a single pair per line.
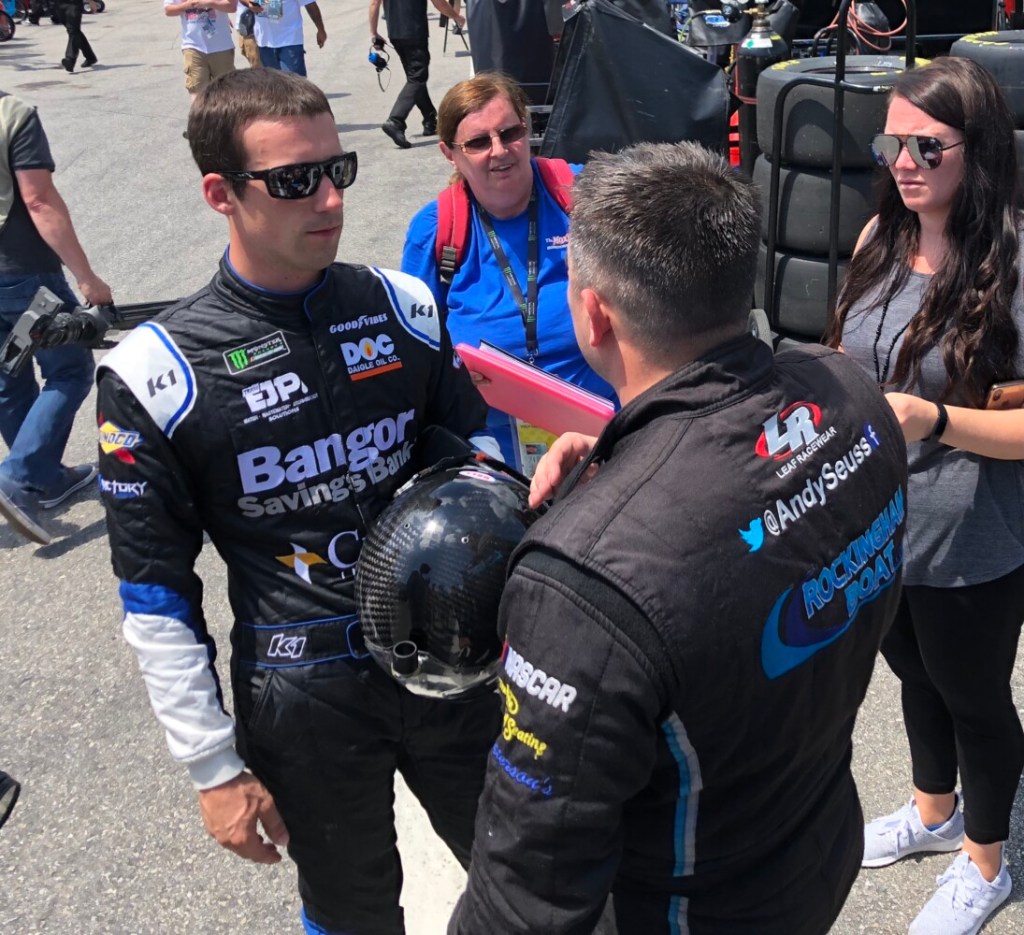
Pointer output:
761, 48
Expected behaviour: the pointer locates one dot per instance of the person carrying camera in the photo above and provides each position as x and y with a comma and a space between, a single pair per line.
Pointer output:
407, 31
36, 237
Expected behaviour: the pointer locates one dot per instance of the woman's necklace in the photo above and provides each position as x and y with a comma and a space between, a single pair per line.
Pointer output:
882, 373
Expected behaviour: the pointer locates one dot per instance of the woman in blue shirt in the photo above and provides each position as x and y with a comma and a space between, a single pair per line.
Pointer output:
482, 127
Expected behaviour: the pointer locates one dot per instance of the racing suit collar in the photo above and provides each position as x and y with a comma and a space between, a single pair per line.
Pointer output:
288, 309
722, 376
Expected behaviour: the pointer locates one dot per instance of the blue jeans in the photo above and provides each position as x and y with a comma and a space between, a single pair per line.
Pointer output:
36, 424
287, 58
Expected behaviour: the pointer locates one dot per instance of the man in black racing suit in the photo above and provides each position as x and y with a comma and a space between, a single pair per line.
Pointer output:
278, 410
690, 632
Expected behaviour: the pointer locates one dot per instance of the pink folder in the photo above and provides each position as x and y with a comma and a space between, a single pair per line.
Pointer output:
533, 395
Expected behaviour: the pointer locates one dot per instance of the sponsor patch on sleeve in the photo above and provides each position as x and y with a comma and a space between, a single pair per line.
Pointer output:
414, 304
156, 372
122, 490
118, 441
537, 682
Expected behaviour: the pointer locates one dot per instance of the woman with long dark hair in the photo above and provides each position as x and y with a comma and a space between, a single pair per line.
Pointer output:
933, 308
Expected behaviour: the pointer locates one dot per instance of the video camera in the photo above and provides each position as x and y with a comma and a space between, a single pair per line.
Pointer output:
50, 322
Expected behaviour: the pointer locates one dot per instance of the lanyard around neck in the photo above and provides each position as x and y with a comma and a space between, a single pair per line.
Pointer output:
527, 305
882, 372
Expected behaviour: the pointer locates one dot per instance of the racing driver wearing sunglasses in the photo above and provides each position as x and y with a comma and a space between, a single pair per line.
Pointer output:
278, 410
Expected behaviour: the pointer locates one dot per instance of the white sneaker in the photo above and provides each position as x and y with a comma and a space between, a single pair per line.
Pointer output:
963, 901
902, 833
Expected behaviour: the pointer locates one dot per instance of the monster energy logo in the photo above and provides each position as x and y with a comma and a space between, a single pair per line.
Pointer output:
257, 352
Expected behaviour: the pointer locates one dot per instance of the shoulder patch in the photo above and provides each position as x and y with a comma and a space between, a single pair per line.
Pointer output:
414, 305
157, 373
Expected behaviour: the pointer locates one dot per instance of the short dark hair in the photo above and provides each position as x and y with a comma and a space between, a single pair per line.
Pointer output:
225, 107
668, 233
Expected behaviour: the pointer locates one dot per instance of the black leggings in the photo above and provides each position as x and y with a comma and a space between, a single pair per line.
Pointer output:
953, 650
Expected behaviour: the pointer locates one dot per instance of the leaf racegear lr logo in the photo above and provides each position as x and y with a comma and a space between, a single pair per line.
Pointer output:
258, 352
792, 436
801, 420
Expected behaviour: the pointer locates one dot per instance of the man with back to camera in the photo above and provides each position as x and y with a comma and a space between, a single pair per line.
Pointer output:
692, 626
407, 30
36, 237
279, 409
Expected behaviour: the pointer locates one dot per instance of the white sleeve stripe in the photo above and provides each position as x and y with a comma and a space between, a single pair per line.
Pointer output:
411, 298
181, 686
157, 373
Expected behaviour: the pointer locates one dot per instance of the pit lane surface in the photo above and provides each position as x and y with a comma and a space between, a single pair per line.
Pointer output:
107, 837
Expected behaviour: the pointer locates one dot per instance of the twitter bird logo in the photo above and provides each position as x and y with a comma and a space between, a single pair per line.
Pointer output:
753, 536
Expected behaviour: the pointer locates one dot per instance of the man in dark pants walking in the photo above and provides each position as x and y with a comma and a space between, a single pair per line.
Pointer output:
71, 16
407, 30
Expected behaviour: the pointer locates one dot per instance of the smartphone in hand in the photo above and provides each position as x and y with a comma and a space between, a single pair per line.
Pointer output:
1008, 395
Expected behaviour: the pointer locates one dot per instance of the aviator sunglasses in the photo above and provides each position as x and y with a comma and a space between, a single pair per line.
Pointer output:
482, 144
302, 179
926, 151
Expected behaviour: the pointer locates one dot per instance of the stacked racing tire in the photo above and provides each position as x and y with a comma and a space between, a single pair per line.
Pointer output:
1002, 53
802, 145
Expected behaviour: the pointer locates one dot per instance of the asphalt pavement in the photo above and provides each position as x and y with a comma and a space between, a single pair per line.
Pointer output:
107, 837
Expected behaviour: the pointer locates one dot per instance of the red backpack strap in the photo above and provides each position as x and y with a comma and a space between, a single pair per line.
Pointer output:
557, 176
452, 229
453, 210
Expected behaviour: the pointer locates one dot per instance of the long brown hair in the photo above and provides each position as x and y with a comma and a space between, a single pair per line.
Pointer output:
966, 309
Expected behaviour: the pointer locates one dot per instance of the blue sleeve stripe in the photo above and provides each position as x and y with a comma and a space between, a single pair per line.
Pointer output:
678, 916
157, 600
690, 785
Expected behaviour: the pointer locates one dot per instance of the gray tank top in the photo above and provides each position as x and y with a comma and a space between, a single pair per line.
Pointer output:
965, 513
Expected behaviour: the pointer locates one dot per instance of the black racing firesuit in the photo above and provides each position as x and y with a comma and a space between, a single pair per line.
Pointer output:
281, 425
689, 636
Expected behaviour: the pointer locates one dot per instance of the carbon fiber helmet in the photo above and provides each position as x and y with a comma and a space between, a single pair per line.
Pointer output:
431, 573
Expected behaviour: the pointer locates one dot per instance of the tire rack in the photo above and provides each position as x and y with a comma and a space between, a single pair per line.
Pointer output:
840, 86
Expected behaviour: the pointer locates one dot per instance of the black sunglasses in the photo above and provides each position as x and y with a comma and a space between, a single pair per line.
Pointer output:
302, 179
926, 151
482, 144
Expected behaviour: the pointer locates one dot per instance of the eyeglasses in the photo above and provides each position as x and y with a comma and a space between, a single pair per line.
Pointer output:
926, 151
302, 179
482, 144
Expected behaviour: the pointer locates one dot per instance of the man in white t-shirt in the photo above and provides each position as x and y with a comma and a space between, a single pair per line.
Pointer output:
206, 42
278, 31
